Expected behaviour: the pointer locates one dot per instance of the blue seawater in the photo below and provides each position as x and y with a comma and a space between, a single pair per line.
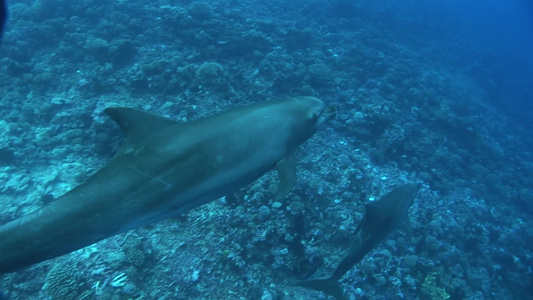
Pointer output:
434, 92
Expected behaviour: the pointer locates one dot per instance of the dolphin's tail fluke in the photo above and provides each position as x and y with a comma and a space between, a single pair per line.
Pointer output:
328, 286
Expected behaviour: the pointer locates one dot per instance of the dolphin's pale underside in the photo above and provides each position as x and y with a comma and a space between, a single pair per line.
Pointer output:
165, 168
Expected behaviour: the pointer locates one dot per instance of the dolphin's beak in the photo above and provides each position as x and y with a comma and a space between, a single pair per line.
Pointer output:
327, 114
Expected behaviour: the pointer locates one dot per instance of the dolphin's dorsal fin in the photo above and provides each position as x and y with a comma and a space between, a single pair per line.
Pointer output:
136, 123
287, 175
373, 209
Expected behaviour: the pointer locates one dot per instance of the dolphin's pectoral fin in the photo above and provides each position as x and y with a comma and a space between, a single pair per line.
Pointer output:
287, 175
136, 124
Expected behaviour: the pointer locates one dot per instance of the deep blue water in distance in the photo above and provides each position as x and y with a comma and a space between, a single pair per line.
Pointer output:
501, 32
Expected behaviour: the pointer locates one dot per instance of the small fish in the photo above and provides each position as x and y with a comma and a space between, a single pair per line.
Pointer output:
380, 219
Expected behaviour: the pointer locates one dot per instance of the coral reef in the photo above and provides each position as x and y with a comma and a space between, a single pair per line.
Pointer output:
411, 108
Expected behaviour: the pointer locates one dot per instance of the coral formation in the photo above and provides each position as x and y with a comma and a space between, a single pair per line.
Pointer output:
209, 72
200, 10
62, 282
321, 74
431, 289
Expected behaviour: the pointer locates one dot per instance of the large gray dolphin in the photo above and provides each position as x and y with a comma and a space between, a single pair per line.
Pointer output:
380, 219
165, 168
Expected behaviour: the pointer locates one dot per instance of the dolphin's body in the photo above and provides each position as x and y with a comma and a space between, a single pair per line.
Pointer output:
380, 219
165, 168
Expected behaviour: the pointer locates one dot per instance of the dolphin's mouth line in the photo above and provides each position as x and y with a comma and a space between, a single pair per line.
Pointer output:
327, 113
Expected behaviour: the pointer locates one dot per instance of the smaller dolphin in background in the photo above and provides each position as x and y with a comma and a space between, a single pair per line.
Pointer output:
380, 219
